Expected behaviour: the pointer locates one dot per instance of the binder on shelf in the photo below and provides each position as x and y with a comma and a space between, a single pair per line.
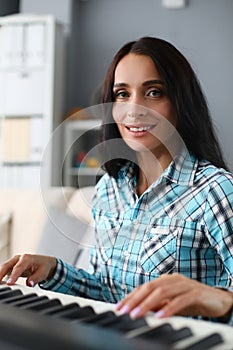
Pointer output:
24, 93
15, 140
22, 140
11, 45
35, 40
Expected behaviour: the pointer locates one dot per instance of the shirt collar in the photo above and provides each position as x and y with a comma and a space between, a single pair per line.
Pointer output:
181, 171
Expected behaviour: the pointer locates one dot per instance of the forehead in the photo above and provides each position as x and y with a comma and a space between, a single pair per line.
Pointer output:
135, 67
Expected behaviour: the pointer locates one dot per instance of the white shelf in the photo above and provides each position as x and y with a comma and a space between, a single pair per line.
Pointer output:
32, 75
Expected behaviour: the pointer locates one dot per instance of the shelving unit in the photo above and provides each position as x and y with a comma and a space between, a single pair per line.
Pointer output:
82, 165
32, 66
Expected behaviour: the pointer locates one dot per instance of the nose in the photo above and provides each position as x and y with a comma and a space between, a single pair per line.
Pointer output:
136, 111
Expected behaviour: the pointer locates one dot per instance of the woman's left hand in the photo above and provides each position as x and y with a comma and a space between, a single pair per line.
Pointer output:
176, 295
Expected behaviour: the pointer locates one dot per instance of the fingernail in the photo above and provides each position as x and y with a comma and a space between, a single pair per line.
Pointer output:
31, 283
9, 281
118, 305
124, 310
134, 313
159, 314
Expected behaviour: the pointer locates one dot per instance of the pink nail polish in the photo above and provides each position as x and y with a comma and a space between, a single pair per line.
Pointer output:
134, 313
31, 283
118, 305
9, 281
159, 314
124, 310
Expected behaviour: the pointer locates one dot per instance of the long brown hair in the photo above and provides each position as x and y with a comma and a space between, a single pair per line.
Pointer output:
194, 123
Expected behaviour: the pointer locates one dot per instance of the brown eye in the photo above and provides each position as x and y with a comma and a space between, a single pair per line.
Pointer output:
120, 95
154, 93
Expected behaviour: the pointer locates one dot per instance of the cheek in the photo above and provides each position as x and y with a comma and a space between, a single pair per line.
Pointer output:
119, 112
167, 111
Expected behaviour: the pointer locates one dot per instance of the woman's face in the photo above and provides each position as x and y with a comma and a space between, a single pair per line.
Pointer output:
142, 110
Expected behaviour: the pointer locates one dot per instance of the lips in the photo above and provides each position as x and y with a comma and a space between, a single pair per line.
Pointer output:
139, 128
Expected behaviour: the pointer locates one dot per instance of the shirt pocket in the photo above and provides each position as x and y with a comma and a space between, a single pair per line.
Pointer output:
158, 254
108, 225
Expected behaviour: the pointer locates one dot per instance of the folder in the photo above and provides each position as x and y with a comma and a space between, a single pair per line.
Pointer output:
22, 140
15, 140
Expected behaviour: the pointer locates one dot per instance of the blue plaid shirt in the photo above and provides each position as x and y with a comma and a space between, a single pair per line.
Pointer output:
182, 223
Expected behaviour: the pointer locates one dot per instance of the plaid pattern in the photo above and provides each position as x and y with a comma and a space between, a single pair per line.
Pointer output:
182, 223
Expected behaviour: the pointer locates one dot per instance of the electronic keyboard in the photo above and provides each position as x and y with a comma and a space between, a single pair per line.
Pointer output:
32, 318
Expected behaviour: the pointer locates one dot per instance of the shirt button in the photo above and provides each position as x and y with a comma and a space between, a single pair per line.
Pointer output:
135, 222
126, 253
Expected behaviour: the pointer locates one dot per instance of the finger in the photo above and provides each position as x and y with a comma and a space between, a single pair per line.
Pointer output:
159, 294
44, 269
180, 305
132, 299
136, 297
7, 266
155, 300
37, 276
22, 266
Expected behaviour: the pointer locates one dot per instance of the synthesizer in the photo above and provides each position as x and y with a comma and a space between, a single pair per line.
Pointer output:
31, 318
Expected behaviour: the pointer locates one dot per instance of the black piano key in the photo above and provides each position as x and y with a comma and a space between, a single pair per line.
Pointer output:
125, 325
15, 299
120, 323
23, 303
105, 322
134, 324
42, 304
59, 309
75, 313
154, 333
4, 289
98, 317
207, 342
10, 293
177, 335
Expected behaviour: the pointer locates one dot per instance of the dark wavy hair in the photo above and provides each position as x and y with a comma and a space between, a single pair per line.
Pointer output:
183, 89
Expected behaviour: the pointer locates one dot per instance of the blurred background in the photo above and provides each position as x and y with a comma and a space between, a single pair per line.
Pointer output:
92, 32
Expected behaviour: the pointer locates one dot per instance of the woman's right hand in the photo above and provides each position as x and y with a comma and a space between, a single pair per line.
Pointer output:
35, 268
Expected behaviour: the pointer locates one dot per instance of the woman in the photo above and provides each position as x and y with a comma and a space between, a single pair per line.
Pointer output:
164, 205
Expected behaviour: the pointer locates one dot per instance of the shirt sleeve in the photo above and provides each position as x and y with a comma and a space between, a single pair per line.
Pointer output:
218, 220
78, 282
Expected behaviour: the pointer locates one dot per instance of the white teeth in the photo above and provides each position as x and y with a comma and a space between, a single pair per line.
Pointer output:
143, 128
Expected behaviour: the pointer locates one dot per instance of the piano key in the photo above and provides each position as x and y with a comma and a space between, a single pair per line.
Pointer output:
43, 304
121, 323
176, 335
97, 317
60, 309
75, 312
206, 343
4, 289
17, 298
29, 301
124, 324
150, 333
9, 293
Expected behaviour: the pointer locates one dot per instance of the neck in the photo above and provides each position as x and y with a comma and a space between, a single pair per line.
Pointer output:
151, 167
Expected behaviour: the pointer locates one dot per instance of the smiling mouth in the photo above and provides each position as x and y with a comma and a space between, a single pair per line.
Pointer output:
135, 128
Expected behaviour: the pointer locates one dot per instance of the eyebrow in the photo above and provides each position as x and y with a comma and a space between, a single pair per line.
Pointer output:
146, 83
